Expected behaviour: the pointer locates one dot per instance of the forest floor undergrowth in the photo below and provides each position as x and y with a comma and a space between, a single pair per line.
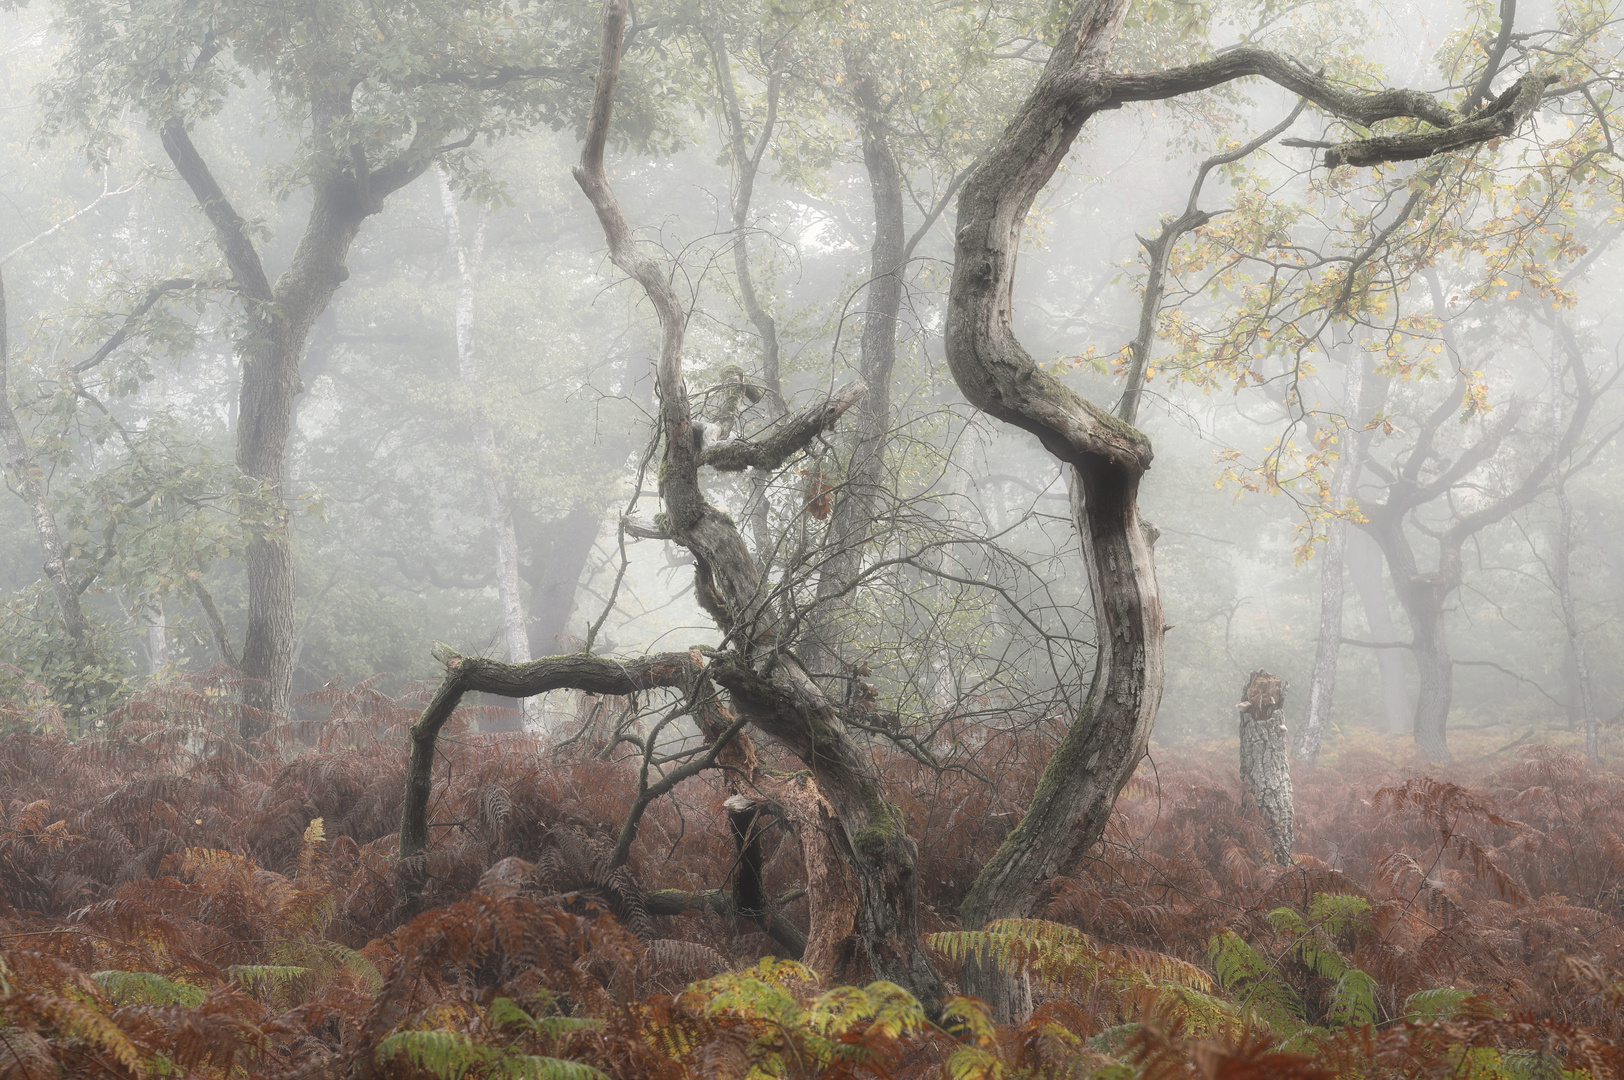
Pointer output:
175, 902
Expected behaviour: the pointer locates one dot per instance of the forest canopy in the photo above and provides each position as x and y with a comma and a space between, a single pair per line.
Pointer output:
714, 538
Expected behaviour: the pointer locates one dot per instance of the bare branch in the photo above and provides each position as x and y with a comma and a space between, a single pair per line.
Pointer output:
786, 438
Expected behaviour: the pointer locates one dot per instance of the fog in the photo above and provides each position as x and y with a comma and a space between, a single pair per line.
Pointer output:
472, 493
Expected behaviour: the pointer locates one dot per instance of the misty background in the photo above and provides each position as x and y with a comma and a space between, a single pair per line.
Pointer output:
398, 430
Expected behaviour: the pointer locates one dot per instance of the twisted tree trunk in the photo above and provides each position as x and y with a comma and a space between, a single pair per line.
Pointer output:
1107, 456
770, 688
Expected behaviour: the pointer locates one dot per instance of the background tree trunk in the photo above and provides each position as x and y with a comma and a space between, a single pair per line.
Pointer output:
1423, 598
498, 507
1575, 661
31, 489
1322, 684
857, 501
1365, 570
345, 192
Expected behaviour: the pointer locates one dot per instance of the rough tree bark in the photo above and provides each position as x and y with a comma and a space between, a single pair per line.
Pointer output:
493, 491
1265, 771
770, 688
1108, 457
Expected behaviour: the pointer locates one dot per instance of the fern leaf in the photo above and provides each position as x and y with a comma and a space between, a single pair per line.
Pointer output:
1338, 913
533, 1067
969, 1020
446, 1054
505, 1011
1439, 1003
146, 988
974, 1063
1354, 999
280, 976
87, 1024
1244, 972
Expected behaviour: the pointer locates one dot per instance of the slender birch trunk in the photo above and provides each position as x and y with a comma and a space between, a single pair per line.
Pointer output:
1322, 686
747, 166
498, 505
1561, 560
156, 627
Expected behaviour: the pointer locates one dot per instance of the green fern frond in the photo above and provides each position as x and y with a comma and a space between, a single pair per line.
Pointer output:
1439, 1003
280, 976
969, 1021
743, 995
1249, 976
886, 1009
359, 966
446, 1054
505, 1011
87, 1024
974, 1063
1354, 999
536, 1067
147, 988
1337, 913
451, 1055
1064, 957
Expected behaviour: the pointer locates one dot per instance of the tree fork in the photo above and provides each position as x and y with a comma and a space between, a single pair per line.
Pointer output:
781, 698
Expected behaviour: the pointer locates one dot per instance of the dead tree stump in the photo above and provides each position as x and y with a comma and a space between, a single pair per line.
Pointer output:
1265, 771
